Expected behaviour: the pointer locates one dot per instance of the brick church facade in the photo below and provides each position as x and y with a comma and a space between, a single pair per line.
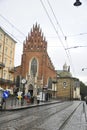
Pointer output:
36, 66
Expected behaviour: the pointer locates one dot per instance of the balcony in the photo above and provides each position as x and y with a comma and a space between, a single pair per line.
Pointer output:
10, 82
6, 81
11, 69
2, 65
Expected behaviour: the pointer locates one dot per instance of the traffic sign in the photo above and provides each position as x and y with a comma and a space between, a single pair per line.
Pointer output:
5, 94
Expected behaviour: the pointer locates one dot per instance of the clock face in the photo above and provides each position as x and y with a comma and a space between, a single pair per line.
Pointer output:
23, 81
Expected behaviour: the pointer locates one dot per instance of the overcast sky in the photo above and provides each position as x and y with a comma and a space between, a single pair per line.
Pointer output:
62, 24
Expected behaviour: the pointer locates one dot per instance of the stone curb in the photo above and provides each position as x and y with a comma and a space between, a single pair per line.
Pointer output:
30, 106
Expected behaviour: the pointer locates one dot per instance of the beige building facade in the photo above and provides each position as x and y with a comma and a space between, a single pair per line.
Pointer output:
7, 53
68, 87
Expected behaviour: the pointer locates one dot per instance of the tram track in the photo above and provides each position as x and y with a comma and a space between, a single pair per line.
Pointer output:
68, 118
21, 116
4, 113
17, 115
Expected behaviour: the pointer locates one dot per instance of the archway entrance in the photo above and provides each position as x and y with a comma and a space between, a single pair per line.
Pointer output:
30, 89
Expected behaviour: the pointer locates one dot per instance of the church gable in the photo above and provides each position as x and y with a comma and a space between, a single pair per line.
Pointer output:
35, 46
50, 64
35, 40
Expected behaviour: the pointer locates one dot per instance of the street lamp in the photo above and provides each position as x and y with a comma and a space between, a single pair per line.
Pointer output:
83, 69
23, 82
77, 3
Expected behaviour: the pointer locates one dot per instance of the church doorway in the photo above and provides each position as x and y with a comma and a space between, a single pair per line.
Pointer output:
30, 89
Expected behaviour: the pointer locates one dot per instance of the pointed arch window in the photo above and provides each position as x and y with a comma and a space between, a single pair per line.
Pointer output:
34, 66
50, 83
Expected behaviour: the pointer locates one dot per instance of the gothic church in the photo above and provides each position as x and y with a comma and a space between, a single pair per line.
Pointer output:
36, 66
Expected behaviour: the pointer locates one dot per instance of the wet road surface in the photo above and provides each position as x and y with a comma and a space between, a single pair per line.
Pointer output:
49, 117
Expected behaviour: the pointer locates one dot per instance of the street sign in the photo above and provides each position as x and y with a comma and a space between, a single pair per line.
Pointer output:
5, 94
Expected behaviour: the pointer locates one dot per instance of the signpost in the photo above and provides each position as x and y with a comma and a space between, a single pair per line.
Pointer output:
5, 94
23, 82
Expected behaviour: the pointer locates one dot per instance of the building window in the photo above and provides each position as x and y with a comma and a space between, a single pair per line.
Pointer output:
11, 44
6, 40
4, 75
5, 61
0, 36
0, 73
64, 85
6, 50
33, 67
11, 53
50, 83
10, 63
0, 48
9, 76
0, 58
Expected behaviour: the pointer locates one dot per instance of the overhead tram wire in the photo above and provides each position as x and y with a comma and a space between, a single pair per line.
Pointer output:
12, 25
55, 30
65, 37
12, 35
75, 35
56, 18
14, 28
75, 47
52, 24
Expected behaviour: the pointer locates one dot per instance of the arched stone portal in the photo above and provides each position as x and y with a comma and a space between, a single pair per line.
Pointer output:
30, 89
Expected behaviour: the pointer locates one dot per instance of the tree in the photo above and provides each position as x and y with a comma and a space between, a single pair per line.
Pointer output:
83, 90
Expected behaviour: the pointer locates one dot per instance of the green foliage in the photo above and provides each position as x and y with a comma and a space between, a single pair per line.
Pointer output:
83, 90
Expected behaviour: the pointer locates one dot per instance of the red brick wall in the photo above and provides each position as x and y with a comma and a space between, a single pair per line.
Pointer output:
35, 45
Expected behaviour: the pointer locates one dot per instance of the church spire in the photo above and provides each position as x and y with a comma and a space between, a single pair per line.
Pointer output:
65, 67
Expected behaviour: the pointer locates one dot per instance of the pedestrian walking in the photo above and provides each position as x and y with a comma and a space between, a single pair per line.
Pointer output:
38, 99
86, 99
28, 97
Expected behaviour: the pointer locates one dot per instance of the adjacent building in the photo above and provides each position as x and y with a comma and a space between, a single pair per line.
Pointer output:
7, 53
68, 87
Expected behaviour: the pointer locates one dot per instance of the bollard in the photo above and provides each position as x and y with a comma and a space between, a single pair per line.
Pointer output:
15, 100
83, 107
84, 111
12, 101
